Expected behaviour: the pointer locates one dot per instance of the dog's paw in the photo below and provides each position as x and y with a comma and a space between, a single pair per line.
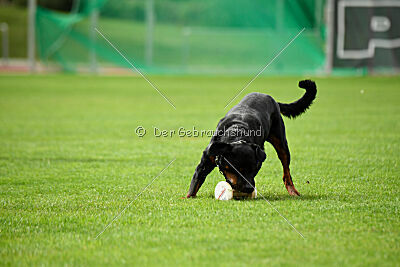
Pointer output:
292, 191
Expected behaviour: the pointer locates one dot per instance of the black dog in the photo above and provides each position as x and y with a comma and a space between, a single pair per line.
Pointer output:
237, 146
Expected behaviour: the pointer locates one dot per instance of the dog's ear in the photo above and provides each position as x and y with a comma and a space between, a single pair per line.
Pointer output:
259, 153
219, 148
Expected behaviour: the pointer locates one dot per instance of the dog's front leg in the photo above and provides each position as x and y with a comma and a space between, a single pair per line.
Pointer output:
206, 165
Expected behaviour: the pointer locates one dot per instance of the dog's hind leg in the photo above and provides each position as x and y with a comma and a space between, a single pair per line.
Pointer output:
277, 138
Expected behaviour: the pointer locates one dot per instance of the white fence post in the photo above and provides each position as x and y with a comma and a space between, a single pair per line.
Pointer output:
330, 7
149, 31
93, 25
31, 34
4, 37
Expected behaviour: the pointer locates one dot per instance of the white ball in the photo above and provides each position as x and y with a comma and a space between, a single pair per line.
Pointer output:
223, 191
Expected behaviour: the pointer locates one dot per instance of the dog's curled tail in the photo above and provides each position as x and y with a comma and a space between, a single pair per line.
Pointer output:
298, 107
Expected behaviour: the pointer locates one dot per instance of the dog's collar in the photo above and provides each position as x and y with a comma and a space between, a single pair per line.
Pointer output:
238, 142
218, 159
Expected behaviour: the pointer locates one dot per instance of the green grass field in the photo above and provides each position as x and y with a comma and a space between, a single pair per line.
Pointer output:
70, 161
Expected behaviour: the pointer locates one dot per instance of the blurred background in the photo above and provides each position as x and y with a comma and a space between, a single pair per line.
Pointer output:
206, 37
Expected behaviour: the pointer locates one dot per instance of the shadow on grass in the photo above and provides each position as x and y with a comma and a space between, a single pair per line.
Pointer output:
280, 197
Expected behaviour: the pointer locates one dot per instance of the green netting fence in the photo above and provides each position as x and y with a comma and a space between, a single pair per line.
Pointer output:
185, 36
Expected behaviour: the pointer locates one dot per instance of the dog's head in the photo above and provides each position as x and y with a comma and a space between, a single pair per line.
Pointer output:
239, 162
